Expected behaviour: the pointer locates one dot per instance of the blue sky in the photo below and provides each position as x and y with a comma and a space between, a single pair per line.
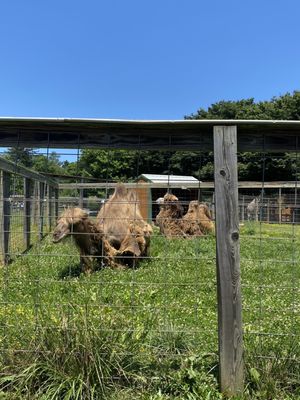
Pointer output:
139, 59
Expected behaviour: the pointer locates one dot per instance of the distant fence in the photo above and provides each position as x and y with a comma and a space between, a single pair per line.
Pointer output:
28, 207
277, 205
224, 138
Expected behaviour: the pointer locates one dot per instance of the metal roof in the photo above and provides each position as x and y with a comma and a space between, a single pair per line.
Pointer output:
156, 178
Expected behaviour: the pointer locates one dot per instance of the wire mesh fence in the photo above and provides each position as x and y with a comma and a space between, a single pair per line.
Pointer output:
147, 309
144, 321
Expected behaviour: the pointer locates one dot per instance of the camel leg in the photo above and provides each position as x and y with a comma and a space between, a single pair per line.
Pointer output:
86, 264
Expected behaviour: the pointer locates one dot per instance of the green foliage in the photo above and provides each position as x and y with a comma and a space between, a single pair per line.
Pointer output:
75, 364
20, 156
283, 107
32, 159
108, 165
250, 228
148, 333
122, 165
47, 164
255, 166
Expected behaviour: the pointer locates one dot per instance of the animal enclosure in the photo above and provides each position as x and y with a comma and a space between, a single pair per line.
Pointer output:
169, 309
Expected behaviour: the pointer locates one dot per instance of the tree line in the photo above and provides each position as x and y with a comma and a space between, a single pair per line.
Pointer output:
126, 165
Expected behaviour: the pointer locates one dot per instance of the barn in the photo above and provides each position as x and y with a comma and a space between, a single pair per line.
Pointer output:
186, 188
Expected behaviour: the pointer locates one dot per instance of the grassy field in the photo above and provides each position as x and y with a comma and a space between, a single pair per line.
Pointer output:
148, 332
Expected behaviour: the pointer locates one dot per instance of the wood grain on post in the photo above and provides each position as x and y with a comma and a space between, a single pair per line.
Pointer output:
228, 261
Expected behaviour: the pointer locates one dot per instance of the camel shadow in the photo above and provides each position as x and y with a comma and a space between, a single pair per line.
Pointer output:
70, 271
75, 270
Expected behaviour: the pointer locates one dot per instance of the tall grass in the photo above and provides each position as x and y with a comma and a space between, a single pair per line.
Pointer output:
149, 332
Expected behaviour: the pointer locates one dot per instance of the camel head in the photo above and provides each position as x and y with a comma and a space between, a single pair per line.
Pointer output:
199, 209
171, 203
169, 198
68, 222
193, 206
205, 209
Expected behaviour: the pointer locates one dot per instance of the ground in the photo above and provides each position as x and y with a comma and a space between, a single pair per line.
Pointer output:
149, 332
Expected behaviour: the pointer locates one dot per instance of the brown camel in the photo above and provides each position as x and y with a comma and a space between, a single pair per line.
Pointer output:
197, 221
124, 228
88, 238
169, 217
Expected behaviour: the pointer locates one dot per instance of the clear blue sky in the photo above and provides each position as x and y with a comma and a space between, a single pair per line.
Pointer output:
139, 59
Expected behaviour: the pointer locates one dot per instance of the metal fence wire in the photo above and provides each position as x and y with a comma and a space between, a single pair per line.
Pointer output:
141, 315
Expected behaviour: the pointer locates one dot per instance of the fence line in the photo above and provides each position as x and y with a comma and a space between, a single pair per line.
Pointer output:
248, 136
26, 208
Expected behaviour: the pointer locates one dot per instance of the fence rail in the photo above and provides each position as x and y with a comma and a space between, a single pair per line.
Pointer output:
225, 138
23, 208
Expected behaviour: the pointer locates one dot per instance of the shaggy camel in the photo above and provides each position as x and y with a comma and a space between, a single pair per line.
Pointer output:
118, 237
123, 226
197, 221
286, 214
88, 238
169, 217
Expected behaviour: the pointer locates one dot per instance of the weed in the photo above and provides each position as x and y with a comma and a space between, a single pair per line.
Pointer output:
148, 333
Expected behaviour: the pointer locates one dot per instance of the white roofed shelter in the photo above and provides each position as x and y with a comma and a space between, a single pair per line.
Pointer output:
162, 183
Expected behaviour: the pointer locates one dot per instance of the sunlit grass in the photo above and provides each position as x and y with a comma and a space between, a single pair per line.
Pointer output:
149, 332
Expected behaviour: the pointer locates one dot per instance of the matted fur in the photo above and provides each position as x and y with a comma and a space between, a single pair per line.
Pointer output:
169, 217
123, 226
197, 221
88, 238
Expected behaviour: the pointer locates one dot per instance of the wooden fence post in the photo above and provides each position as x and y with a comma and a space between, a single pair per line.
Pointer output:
228, 261
213, 207
56, 203
5, 214
50, 207
81, 195
279, 205
41, 196
35, 203
243, 209
27, 211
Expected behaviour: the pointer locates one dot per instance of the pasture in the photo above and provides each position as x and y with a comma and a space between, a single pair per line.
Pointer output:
149, 332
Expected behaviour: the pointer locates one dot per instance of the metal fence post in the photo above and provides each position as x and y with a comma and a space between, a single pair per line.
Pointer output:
228, 261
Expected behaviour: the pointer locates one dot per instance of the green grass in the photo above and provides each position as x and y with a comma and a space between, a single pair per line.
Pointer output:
149, 332
17, 242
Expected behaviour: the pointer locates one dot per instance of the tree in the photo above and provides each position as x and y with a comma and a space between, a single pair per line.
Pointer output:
47, 164
20, 156
254, 166
122, 165
282, 107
